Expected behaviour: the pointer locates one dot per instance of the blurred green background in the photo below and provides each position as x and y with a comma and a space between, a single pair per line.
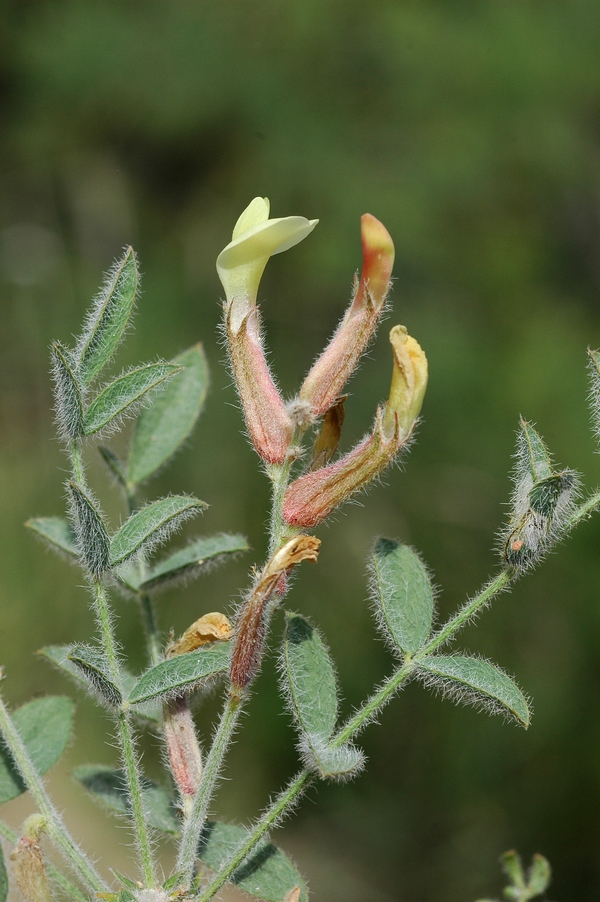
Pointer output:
472, 129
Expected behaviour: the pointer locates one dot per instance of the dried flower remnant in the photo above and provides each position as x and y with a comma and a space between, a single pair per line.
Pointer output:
209, 628
251, 624
311, 498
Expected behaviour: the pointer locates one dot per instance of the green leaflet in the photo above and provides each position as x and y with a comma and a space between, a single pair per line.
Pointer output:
108, 319
539, 875
310, 679
267, 874
187, 562
403, 594
109, 787
92, 538
128, 389
181, 673
58, 655
478, 681
152, 524
92, 663
44, 725
311, 688
534, 453
69, 404
56, 532
163, 427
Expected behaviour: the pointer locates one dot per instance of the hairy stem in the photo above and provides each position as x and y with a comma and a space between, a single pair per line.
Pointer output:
186, 860
469, 609
126, 740
278, 809
55, 828
584, 510
368, 711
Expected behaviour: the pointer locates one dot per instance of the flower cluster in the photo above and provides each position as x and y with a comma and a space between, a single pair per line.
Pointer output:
273, 425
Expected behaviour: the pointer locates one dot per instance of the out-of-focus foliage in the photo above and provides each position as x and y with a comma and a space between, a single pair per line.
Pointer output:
472, 130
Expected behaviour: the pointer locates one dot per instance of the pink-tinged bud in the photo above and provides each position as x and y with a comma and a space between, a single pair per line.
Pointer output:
338, 361
184, 752
313, 497
268, 422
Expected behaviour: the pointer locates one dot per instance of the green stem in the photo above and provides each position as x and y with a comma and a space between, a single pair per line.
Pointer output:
358, 722
272, 815
150, 628
126, 739
186, 860
373, 705
496, 585
77, 463
584, 510
54, 826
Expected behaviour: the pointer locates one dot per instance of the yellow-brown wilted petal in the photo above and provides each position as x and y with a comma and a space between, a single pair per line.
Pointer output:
211, 627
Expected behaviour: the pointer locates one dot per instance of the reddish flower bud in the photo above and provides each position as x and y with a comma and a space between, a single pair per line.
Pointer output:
338, 361
185, 756
313, 497
268, 422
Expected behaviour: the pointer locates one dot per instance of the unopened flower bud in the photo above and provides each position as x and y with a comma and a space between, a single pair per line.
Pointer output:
28, 865
183, 748
409, 382
313, 497
338, 361
240, 267
184, 752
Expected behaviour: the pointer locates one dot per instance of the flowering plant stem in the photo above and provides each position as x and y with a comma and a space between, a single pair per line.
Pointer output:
279, 476
125, 732
290, 796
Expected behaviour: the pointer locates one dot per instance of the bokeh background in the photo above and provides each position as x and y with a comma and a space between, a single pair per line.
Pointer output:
472, 129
